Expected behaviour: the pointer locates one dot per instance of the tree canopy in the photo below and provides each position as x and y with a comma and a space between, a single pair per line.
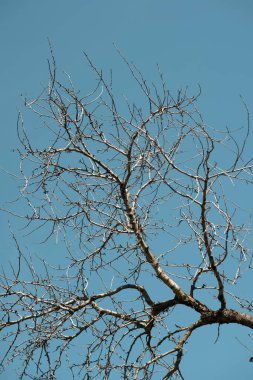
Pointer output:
142, 196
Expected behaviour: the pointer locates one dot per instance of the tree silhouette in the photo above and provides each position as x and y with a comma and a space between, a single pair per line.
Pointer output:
141, 196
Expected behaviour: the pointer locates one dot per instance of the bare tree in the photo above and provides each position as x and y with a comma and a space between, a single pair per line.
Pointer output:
141, 196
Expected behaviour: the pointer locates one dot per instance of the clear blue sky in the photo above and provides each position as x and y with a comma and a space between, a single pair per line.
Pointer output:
206, 42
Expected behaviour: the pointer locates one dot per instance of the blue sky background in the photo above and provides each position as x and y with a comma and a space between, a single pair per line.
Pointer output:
206, 42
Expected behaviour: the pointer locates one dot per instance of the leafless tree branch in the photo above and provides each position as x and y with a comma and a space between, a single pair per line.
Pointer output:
141, 199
